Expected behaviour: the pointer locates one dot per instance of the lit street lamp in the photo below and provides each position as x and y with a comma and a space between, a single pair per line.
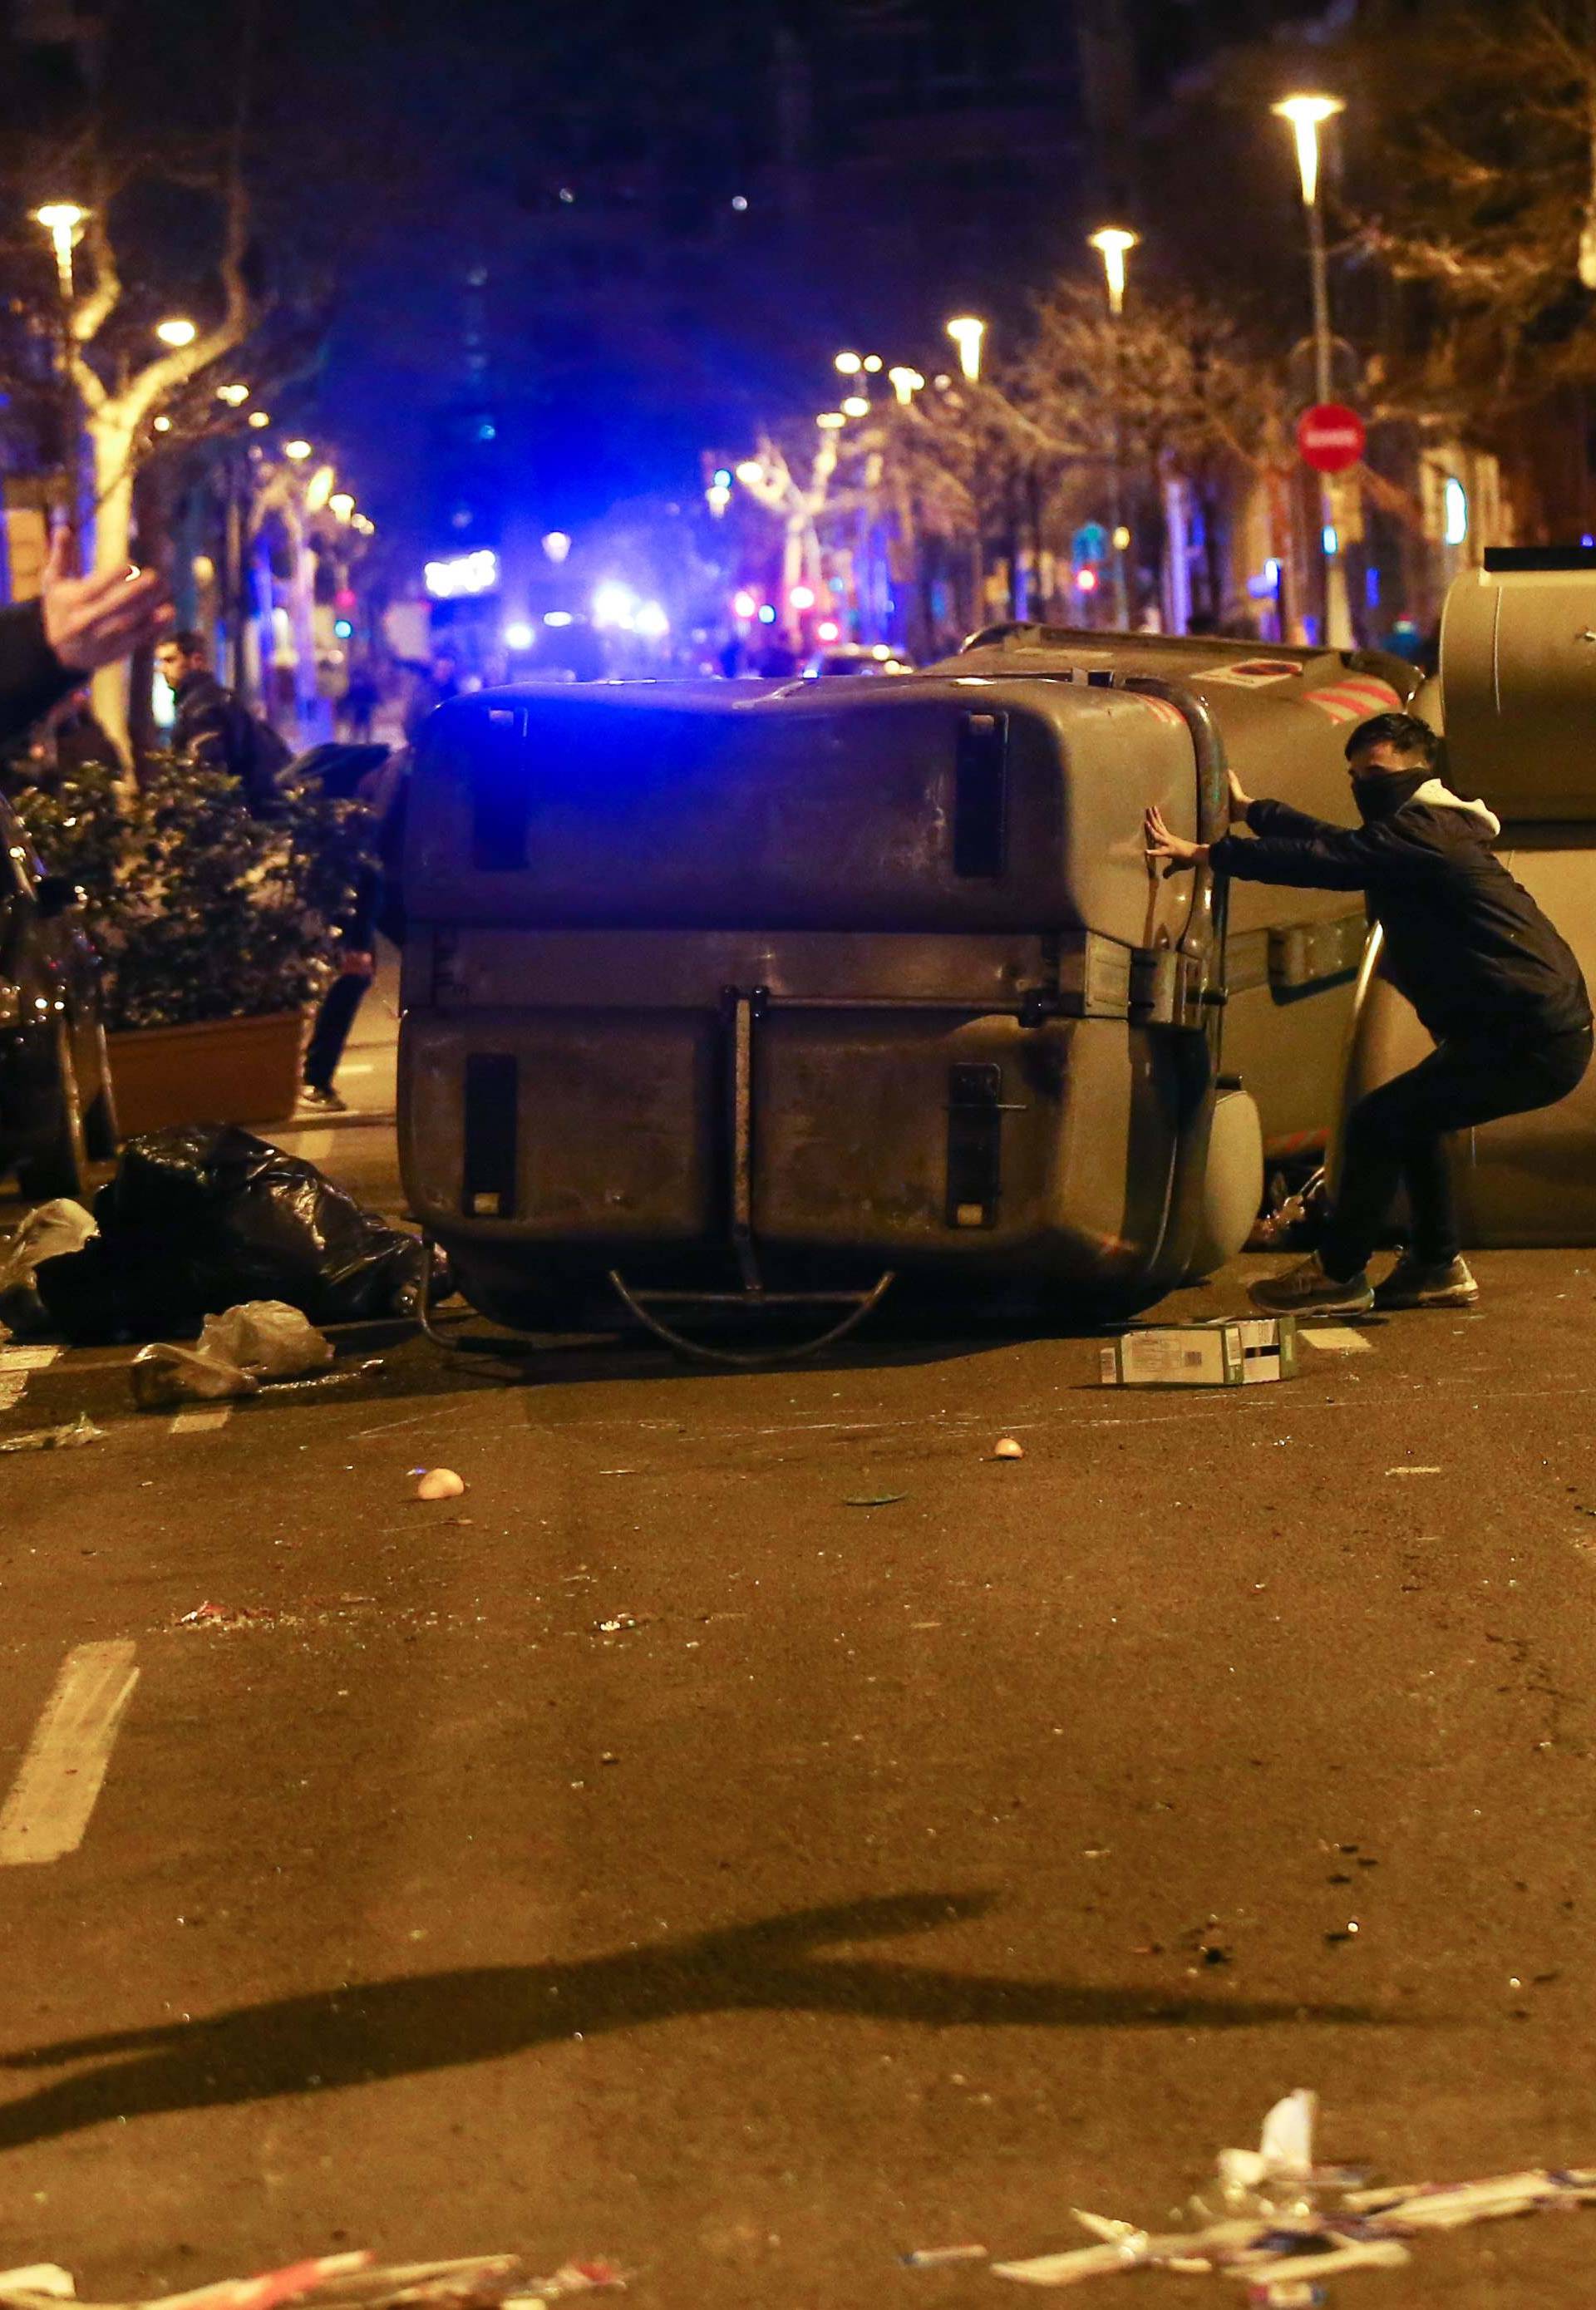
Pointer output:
847, 364
176, 331
1307, 115
905, 384
968, 334
297, 450
63, 221
234, 396
1113, 243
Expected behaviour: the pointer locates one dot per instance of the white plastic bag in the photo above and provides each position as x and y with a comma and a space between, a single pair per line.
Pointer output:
259, 1339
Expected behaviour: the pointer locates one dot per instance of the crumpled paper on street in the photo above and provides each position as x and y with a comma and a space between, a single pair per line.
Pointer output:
66, 1438
258, 1340
1280, 2239
350, 2281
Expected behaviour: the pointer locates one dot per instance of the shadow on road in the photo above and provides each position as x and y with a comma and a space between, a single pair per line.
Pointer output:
359, 2034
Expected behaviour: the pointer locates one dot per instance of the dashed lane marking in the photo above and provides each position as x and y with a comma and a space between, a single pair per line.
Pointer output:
202, 1419
60, 1776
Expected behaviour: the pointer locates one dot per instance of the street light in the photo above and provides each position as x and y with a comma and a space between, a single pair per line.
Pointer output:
1113, 243
905, 384
1308, 114
855, 405
320, 489
63, 221
341, 505
234, 396
968, 334
297, 450
259, 419
847, 364
831, 421
176, 331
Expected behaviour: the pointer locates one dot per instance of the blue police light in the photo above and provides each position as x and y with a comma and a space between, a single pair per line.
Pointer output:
519, 635
462, 573
766, 613
556, 617
343, 628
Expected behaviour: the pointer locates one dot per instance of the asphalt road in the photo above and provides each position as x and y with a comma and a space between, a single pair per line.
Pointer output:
754, 1832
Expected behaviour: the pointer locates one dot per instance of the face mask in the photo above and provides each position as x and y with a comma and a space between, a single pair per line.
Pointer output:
1378, 796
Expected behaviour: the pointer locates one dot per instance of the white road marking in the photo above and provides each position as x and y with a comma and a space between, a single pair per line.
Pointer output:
1413, 1472
59, 1779
27, 1359
202, 1419
1339, 1340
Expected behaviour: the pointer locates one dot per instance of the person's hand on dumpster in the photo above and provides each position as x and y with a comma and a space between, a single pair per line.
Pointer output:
1180, 855
1240, 803
92, 622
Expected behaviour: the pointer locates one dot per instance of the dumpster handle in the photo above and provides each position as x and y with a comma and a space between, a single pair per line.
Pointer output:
859, 1304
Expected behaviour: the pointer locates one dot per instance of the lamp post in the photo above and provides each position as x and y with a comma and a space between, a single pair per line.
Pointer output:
63, 222
1307, 116
1113, 243
969, 335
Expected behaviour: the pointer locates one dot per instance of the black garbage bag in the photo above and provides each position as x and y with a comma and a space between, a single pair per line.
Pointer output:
202, 1216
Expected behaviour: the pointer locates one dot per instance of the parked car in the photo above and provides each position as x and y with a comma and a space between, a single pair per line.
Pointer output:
58, 1114
857, 657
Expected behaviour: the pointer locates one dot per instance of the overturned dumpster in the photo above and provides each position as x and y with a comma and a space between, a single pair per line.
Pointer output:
720, 995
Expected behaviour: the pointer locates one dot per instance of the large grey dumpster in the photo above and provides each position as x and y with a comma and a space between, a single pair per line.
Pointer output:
780, 990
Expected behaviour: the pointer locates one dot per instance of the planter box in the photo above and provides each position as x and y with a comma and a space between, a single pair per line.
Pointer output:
221, 1071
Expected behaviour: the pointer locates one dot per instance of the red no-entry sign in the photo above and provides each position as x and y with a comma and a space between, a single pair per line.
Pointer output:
1331, 437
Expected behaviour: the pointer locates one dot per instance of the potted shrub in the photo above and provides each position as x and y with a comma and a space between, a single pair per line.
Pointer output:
214, 928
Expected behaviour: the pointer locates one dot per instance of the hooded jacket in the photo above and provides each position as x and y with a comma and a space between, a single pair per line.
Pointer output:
1465, 943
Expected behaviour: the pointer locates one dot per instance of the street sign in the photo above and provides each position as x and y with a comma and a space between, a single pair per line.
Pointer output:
1331, 436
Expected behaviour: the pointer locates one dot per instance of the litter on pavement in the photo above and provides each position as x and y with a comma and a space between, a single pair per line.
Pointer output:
260, 1340
201, 1218
1280, 2238
50, 1231
1008, 1447
67, 1438
351, 2282
436, 1483
1202, 1355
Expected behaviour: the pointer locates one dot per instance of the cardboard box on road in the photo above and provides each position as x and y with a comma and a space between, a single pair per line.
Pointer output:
1203, 1355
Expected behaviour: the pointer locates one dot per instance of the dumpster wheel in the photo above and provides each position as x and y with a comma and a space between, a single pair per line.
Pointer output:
641, 1306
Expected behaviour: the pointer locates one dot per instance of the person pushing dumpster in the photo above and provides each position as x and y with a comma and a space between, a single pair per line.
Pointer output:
1490, 978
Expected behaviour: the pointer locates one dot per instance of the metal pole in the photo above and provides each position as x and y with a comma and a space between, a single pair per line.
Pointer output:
1338, 613
1122, 608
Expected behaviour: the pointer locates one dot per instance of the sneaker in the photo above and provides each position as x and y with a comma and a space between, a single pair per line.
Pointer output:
317, 1101
1412, 1283
1307, 1291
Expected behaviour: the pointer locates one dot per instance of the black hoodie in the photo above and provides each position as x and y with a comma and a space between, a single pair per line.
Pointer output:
1466, 944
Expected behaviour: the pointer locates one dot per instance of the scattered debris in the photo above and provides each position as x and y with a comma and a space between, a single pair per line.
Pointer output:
258, 1340
226, 1616
928, 2257
1413, 1472
350, 2281
436, 1483
76, 1432
1008, 1447
27, 1359
50, 1231
875, 1499
1202, 1355
1280, 2240
201, 1217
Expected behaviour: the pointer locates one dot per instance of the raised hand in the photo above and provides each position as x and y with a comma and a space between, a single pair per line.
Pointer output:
1182, 855
94, 621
